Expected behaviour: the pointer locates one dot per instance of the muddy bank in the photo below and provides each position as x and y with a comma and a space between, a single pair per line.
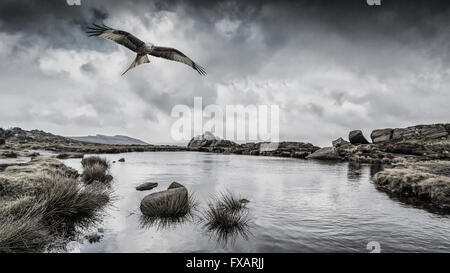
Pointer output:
422, 183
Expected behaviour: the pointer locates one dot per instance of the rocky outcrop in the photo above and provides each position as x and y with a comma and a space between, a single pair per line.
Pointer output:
210, 143
356, 137
418, 183
422, 142
147, 186
339, 142
381, 135
327, 153
418, 132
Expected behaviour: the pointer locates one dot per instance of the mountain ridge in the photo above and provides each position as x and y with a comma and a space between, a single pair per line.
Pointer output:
104, 139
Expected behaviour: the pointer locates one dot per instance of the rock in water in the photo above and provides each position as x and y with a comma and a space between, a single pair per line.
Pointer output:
173, 202
122, 160
356, 137
147, 186
327, 153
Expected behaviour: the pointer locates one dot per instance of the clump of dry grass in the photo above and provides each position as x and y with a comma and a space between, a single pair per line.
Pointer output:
65, 202
96, 172
226, 217
93, 160
27, 233
230, 201
39, 208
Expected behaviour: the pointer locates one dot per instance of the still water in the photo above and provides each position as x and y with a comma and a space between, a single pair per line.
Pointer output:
295, 206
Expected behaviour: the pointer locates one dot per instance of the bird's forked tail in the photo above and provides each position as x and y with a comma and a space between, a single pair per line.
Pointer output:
140, 59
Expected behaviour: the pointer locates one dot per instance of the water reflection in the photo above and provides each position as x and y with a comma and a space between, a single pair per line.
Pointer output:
354, 171
224, 234
161, 223
296, 206
374, 168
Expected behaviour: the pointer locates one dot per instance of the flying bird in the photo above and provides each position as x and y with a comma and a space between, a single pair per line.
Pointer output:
142, 49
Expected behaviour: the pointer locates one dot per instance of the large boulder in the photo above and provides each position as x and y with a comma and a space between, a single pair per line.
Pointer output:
327, 153
433, 131
405, 133
175, 185
173, 202
356, 137
381, 135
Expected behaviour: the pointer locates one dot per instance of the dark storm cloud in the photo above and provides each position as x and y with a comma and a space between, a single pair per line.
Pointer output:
254, 51
279, 18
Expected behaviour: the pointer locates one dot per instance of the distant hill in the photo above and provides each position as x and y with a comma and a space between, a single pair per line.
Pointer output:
118, 139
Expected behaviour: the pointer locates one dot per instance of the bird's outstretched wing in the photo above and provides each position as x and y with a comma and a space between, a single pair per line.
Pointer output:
176, 55
140, 59
119, 36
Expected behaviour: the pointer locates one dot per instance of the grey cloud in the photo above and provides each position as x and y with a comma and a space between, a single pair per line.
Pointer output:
375, 55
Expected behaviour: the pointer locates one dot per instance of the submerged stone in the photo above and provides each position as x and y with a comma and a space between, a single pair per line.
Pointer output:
147, 186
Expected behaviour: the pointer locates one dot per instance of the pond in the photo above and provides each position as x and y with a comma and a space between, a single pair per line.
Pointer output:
295, 206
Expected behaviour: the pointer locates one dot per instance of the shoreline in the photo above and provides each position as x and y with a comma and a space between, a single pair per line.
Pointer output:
400, 151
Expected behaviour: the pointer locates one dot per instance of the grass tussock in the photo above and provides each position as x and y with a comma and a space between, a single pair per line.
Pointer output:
38, 209
93, 160
96, 169
96, 172
226, 217
23, 234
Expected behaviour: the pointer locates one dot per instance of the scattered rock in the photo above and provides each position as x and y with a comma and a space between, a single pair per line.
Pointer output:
356, 137
10, 154
70, 155
108, 178
122, 160
147, 186
339, 142
93, 237
327, 153
381, 135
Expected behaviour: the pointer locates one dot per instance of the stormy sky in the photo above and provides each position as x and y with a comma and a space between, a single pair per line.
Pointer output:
331, 66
